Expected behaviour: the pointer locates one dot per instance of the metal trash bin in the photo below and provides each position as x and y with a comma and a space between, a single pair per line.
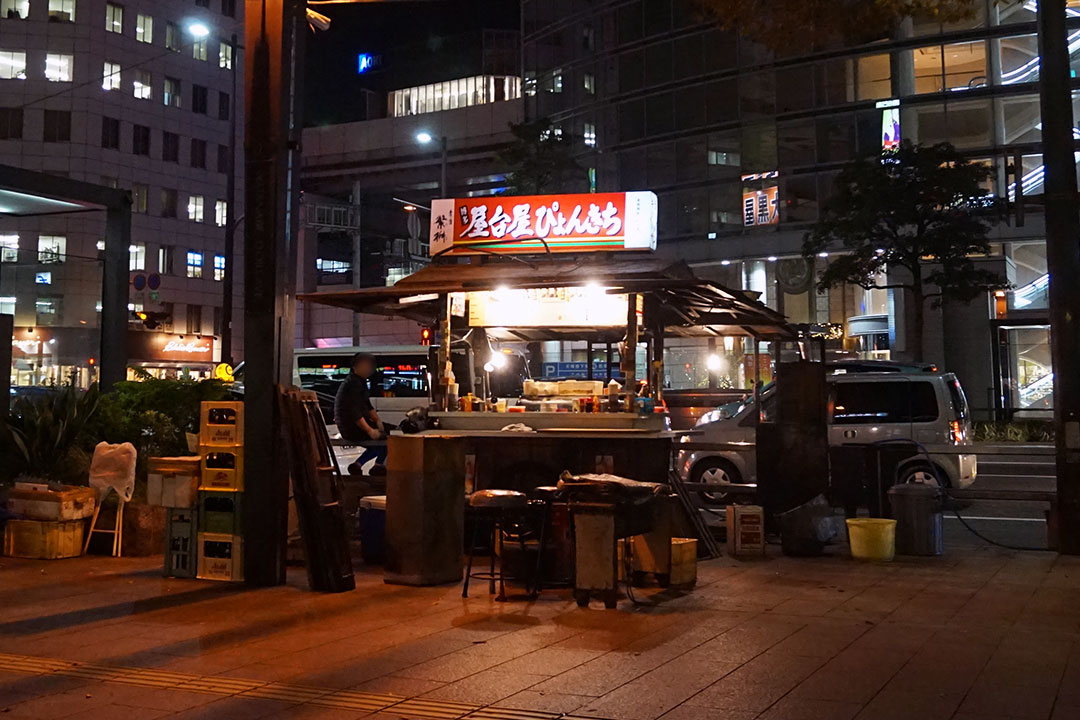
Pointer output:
917, 510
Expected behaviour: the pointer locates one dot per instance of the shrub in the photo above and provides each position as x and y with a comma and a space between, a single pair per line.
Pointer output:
40, 438
1035, 431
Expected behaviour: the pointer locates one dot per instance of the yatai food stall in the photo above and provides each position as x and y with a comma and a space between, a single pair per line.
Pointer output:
520, 297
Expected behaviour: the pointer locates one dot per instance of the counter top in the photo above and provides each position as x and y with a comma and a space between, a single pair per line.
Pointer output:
553, 433
562, 421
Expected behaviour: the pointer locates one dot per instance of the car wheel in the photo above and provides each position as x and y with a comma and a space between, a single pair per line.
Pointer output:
719, 472
926, 475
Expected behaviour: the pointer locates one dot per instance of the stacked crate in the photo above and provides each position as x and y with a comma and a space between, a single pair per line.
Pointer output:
221, 484
172, 482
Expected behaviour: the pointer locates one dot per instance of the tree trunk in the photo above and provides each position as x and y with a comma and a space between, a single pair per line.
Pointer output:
918, 299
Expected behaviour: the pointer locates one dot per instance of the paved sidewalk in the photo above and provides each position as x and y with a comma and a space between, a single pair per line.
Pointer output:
978, 634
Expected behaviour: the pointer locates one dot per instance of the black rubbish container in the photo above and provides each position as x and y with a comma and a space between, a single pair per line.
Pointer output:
916, 507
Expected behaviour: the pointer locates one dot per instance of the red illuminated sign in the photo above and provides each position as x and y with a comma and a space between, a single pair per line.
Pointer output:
520, 224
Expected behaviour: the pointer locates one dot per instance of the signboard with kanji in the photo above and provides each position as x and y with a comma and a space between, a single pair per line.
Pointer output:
761, 199
525, 224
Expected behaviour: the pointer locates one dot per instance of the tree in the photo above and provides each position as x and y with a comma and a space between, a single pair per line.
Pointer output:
540, 160
919, 212
794, 25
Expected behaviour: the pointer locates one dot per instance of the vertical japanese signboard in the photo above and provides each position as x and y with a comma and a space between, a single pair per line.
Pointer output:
890, 125
588, 222
761, 199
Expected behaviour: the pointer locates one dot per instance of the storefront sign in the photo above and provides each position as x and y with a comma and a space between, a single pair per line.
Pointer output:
166, 347
580, 369
588, 222
761, 199
548, 307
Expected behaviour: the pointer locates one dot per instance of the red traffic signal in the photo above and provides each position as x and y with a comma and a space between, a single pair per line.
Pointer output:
425, 336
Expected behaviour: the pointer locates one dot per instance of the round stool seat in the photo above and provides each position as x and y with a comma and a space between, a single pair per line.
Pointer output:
544, 492
502, 499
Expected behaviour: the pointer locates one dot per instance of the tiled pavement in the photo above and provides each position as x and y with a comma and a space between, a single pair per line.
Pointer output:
978, 634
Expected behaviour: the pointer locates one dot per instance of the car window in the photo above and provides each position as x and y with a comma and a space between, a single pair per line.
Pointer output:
959, 401
399, 376
859, 403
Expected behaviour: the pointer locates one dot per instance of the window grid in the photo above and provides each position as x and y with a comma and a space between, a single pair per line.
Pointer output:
195, 208
144, 28
114, 18
12, 65
219, 267
110, 76
58, 67
194, 264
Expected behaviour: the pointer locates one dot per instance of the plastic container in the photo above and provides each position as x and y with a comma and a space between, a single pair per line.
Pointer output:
872, 538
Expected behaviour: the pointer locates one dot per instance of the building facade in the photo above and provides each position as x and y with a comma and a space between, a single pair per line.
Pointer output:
142, 95
742, 148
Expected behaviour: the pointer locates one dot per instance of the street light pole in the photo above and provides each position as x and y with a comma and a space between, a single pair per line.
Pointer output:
1063, 262
442, 170
230, 223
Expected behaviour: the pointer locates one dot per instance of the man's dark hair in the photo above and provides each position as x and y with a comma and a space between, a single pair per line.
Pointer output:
362, 357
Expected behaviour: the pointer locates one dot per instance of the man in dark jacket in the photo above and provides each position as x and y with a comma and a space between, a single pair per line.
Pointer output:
355, 416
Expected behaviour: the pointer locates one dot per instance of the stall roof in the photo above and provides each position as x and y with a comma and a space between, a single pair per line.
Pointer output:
687, 305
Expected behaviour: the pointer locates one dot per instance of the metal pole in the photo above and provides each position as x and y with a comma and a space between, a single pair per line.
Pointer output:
230, 222
442, 171
114, 295
1063, 263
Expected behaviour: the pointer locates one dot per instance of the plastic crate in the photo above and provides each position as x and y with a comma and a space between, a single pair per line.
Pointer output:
180, 532
221, 557
43, 540
222, 424
221, 468
220, 512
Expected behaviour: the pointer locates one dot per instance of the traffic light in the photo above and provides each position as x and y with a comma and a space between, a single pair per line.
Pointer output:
425, 336
150, 320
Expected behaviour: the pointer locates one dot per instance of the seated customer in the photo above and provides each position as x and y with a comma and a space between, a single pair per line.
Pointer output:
356, 418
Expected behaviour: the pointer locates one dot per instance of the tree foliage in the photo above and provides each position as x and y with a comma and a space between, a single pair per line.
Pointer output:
785, 26
540, 160
39, 438
922, 209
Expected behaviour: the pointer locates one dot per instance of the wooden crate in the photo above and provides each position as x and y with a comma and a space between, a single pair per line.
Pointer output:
221, 557
222, 468
222, 424
43, 540
35, 501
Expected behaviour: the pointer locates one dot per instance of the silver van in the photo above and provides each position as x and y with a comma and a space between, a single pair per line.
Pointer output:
929, 408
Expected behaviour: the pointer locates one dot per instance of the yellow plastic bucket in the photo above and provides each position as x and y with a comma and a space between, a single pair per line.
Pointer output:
872, 538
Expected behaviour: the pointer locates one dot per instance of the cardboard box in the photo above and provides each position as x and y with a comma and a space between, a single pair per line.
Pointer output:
221, 557
173, 481
35, 501
683, 561
221, 468
222, 424
745, 530
43, 540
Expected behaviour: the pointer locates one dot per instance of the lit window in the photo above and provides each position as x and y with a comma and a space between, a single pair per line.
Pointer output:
114, 18
7, 305
172, 92
590, 134
221, 213
225, 56
556, 80
14, 9
9, 248
137, 256
172, 37
198, 49
142, 87
219, 267
194, 264
58, 67
195, 208
144, 28
62, 10
52, 248
165, 259
332, 266
111, 76
47, 311
589, 80
719, 157
43, 278
12, 65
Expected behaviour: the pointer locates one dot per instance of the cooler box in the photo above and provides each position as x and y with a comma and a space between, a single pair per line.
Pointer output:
172, 481
372, 528
222, 468
35, 501
221, 557
222, 424
43, 540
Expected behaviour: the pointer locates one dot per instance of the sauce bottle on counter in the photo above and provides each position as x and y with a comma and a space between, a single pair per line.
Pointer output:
613, 396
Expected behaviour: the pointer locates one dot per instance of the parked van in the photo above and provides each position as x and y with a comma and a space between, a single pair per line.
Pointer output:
929, 408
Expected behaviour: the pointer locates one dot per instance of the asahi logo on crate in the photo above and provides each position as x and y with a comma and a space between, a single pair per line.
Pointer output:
222, 424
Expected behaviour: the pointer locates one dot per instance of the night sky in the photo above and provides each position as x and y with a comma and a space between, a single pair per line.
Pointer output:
387, 28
